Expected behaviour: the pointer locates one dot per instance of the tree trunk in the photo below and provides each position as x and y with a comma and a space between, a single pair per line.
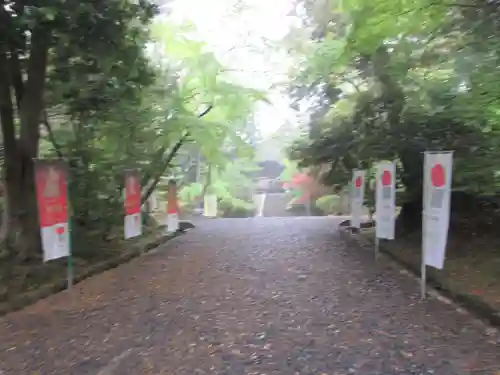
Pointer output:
167, 162
410, 217
23, 228
4, 228
208, 182
11, 171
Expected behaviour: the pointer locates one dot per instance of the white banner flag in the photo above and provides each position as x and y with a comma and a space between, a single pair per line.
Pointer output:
132, 226
357, 197
172, 222
386, 200
210, 205
436, 215
259, 200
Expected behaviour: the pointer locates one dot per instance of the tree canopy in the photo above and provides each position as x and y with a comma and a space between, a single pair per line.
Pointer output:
391, 79
107, 86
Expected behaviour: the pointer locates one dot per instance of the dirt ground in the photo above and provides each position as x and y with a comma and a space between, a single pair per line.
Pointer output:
471, 266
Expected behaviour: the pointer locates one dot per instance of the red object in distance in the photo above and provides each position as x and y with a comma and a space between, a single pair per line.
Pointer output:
437, 175
358, 182
172, 202
301, 179
386, 178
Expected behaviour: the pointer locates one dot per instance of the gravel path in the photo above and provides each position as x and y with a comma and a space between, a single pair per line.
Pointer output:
275, 205
248, 296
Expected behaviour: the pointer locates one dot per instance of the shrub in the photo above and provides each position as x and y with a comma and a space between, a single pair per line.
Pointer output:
235, 209
329, 204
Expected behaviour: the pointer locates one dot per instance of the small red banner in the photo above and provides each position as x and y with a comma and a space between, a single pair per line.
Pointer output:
132, 192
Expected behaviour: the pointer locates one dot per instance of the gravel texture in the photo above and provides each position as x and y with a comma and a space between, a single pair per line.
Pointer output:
248, 296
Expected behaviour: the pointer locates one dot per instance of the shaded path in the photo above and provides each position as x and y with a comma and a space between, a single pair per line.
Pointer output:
247, 296
275, 205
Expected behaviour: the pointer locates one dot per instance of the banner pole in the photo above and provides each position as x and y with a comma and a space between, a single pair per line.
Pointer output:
423, 278
70, 271
374, 221
423, 275
308, 204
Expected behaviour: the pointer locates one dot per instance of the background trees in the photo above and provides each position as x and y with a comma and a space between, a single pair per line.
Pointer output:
390, 79
107, 86
65, 66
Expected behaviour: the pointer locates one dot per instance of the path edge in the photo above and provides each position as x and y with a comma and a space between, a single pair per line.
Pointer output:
471, 303
154, 241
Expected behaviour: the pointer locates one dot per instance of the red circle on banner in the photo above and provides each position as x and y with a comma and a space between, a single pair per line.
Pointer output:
358, 182
60, 230
437, 175
386, 178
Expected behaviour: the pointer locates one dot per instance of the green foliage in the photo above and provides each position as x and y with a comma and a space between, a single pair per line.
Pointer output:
397, 60
235, 209
155, 118
190, 193
113, 91
232, 186
329, 204
391, 79
203, 80
291, 169
229, 183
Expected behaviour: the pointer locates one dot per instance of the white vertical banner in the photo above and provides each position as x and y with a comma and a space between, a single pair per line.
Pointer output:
385, 209
210, 205
436, 214
172, 222
259, 201
357, 197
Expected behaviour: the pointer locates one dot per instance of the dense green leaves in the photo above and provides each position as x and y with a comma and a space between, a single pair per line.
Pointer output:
203, 80
392, 79
113, 89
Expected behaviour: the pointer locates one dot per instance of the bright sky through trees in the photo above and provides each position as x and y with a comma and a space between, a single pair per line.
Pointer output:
239, 32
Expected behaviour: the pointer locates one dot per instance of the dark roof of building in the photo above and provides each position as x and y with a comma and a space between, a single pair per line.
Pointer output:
269, 169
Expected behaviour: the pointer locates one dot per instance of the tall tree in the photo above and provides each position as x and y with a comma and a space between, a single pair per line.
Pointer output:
405, 77
35, 39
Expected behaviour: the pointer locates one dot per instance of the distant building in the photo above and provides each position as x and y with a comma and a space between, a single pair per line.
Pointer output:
266, 178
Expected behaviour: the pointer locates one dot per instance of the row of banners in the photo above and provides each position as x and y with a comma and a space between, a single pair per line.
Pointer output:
436, 204
51, 178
